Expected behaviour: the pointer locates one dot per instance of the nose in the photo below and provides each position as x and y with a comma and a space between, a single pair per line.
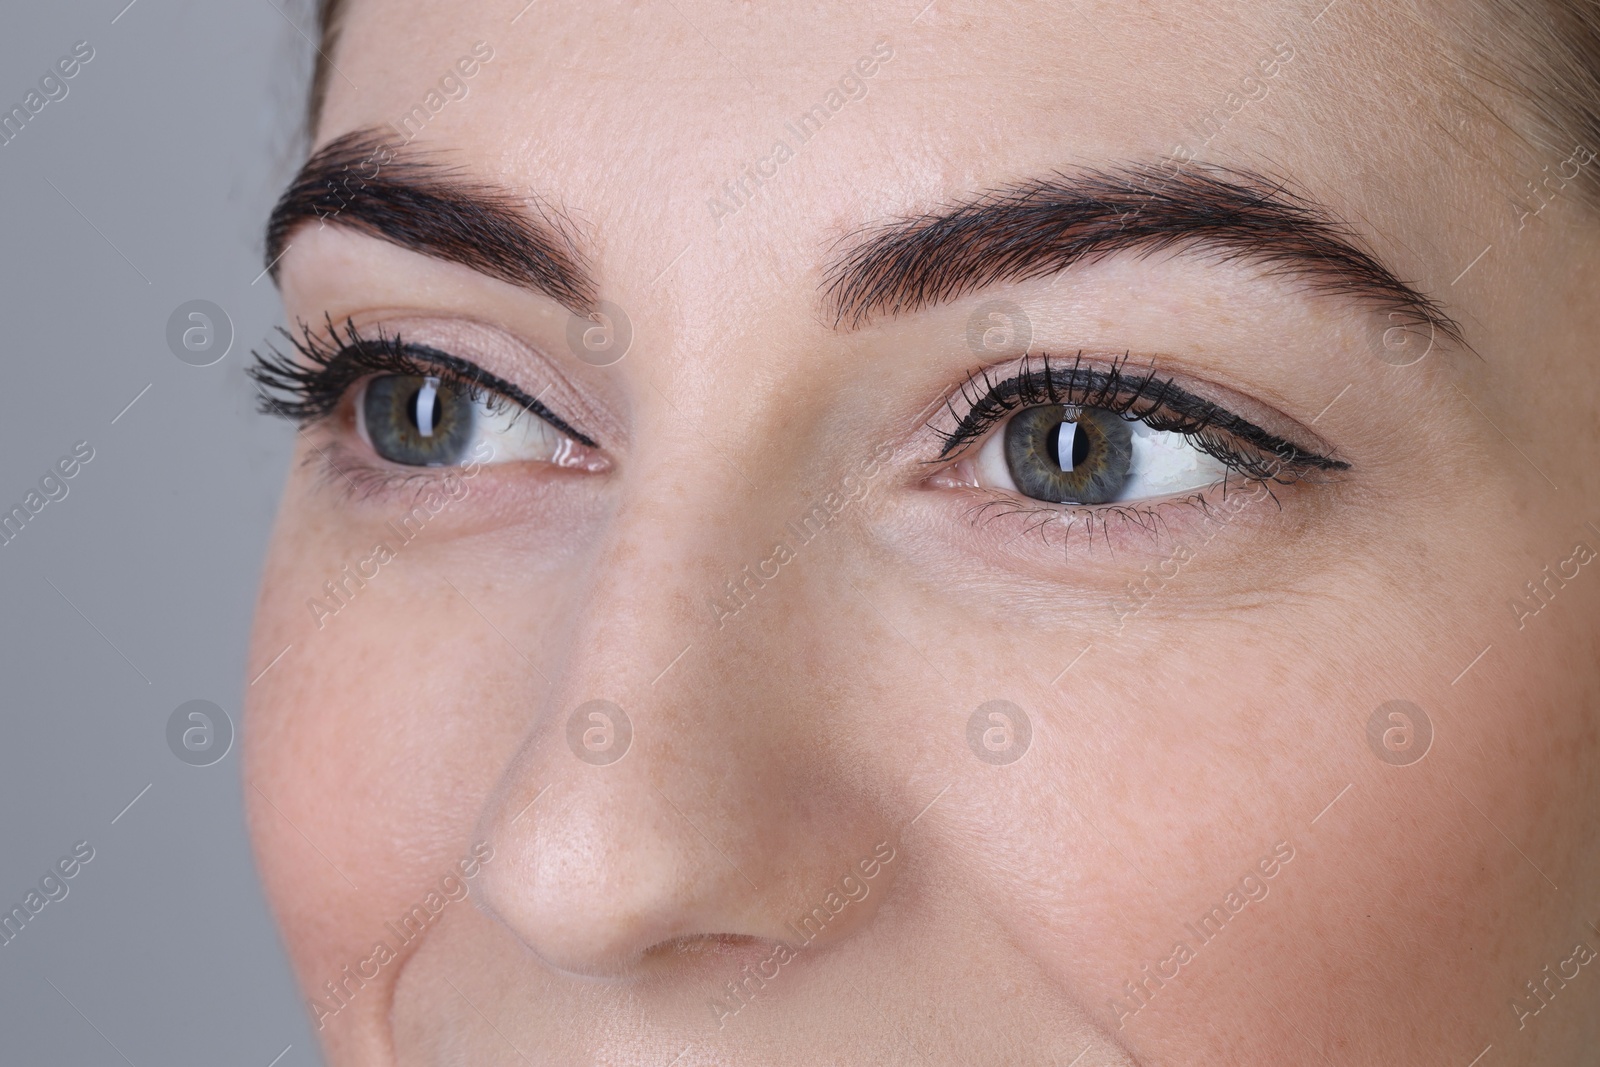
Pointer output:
673, 788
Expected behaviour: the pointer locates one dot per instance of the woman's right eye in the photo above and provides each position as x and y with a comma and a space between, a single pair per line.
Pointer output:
429, 421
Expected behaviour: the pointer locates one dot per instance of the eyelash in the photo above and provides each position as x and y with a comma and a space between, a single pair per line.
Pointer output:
311, 388
1265, 459
1143, 397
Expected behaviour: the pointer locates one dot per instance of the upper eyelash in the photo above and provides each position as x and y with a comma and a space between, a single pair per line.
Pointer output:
1142, 397
315, 391
312, 389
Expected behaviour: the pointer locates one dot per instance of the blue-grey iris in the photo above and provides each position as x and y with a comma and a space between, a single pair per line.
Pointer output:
417, 421
1068, 455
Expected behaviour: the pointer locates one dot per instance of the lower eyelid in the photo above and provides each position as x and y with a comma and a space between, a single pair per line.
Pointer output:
1037, 535
1014, 526
351, 476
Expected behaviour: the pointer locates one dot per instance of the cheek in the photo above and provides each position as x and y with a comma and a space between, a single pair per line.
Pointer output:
1163, 769
368, 754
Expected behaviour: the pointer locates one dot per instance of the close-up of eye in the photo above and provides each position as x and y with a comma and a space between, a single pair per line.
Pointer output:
414, 405
416, 421
423, 421
1073, 434
1063, 454
1083, 455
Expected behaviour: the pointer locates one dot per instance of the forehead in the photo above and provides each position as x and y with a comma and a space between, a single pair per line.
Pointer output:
775, 130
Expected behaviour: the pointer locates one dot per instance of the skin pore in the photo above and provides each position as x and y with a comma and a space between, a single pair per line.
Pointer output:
1198, 673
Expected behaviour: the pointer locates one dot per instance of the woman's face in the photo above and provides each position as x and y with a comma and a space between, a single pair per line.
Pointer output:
1293, 755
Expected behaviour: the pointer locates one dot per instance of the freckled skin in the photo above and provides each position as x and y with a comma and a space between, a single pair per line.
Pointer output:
775, 749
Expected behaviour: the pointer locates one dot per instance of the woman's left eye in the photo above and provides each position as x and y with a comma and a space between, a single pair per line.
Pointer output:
1080, 434
429, 421
1065, 454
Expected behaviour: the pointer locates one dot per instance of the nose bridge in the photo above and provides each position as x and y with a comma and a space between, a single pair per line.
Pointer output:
657, 798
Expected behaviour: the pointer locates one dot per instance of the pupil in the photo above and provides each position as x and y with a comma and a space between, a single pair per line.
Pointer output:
1080, 445
1080, 448
414, 410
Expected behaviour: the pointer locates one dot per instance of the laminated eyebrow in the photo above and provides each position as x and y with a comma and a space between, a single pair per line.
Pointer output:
1042, 227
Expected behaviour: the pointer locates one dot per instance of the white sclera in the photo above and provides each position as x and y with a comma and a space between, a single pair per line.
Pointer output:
1165, 462
515, 435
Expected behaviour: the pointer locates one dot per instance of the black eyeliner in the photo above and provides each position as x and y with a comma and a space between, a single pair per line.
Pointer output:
336, 363
1149, 398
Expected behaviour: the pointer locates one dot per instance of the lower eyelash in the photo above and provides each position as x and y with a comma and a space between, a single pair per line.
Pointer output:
356, 480
1151, 518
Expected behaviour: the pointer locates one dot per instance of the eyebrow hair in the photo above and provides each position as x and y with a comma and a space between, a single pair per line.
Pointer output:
360, 181
1044, 226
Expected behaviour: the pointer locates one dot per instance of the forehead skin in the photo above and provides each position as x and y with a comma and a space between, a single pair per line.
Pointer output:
668, 105
1167, 764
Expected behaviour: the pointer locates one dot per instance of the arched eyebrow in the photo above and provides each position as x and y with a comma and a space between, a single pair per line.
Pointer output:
1045, 226
1037, 228
363, 182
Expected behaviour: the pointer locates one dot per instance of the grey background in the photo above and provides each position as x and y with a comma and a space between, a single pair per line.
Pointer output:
172, 143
